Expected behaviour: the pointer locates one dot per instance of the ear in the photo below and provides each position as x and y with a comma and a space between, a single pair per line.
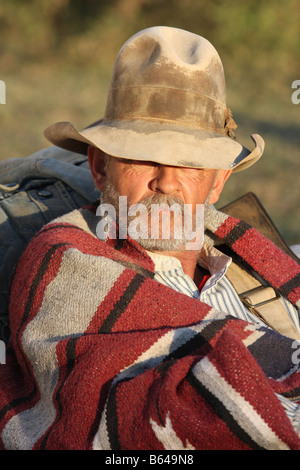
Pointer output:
97, 162
220, 180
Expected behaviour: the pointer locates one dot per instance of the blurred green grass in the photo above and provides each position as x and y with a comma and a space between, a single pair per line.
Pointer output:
56, 59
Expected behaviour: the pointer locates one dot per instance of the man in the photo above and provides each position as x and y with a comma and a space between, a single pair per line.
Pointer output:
143, 342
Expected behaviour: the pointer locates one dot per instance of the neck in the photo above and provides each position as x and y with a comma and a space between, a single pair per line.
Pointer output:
188, 260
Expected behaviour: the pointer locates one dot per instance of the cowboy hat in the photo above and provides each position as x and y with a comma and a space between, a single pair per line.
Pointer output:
167, 104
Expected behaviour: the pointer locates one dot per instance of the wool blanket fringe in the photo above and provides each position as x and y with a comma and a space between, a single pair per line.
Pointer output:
102, 356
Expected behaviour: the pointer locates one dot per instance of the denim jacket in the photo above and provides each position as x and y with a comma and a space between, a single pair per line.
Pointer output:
34, 191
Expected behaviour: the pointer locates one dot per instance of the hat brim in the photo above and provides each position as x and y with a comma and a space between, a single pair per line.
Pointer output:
160, 142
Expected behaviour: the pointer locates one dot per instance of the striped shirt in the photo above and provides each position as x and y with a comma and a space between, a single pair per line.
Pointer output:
217, 290
219, 293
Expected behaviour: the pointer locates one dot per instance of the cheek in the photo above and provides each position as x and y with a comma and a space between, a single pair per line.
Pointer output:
209, 185
198, 185
198, 192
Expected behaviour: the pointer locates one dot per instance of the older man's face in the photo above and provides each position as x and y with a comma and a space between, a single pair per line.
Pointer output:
151, 183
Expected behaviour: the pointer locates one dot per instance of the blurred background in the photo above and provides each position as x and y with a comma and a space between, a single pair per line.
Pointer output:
56, 59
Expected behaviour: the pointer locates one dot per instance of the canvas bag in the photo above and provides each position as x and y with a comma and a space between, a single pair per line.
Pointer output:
34, 191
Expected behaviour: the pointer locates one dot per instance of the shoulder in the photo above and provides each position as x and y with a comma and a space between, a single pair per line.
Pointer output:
71, 231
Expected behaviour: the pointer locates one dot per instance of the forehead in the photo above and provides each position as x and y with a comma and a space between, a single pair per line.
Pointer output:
126, 162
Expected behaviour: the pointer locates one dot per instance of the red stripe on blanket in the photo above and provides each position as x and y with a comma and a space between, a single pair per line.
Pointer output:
290, 386
226, 227
230, 354
130, 252
294, 295
84, 380
24, 389
169, 308
17, 392
265, 257
169, 411
111, 298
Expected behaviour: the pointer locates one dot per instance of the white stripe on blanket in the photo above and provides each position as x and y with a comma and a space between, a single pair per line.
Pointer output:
69, 315
241, 410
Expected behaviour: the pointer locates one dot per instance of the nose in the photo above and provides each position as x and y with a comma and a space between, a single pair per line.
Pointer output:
166, 180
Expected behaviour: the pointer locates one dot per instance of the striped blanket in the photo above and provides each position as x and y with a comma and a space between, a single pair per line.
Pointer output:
102, 356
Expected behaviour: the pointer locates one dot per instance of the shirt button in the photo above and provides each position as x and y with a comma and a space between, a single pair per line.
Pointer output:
44, 193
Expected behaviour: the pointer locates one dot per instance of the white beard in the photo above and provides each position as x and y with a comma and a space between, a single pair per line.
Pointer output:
172, 229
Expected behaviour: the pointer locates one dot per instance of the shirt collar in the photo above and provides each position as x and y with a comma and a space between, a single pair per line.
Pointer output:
213, 260
210, 258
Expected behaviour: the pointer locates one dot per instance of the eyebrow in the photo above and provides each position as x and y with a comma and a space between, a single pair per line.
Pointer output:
132, 161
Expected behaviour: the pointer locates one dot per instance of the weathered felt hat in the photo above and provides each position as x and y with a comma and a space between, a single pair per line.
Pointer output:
167, 104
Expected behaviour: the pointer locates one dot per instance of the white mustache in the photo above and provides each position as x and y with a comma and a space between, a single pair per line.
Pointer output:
155, 210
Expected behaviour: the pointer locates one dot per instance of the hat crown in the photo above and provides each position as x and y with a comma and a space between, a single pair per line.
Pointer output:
171, 57
168, 74
166, 104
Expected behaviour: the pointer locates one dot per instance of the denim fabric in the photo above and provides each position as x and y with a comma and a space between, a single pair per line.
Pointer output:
33, 191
